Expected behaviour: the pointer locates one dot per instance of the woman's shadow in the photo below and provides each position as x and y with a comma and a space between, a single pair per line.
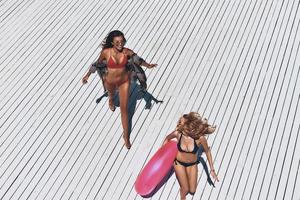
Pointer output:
135, 93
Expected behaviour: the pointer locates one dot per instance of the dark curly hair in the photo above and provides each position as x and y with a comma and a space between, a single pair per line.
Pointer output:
194, 126
107, 42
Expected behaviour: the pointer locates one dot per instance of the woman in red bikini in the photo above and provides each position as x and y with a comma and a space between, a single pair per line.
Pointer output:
117, 77
190, 133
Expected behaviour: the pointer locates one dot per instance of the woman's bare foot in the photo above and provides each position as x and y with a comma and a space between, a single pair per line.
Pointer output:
127, 142
111, 105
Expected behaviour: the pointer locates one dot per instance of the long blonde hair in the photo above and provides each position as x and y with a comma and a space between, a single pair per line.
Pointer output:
194, 126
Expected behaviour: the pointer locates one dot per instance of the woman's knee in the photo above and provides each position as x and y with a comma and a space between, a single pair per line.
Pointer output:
123, 108
192, 189
192, 192
184, 190
123, 104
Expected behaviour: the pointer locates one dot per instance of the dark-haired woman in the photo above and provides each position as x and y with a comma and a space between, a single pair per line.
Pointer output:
190, 133
117, 77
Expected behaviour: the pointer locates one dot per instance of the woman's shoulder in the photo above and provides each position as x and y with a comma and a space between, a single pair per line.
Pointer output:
128, 51
106, 50
175, 133
202, 140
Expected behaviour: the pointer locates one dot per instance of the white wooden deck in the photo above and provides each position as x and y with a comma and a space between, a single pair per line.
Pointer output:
235, 61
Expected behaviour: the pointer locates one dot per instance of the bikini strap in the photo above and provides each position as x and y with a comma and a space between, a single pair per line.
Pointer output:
180, 138
195, 143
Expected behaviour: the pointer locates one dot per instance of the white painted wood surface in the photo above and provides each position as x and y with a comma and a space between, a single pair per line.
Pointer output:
236, 62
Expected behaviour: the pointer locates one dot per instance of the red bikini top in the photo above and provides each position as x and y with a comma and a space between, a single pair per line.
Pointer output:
112, 64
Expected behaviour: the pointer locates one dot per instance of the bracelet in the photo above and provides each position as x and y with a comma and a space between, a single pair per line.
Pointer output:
212, 170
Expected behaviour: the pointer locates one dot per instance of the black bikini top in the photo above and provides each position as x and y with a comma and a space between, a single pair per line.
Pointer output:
181, 150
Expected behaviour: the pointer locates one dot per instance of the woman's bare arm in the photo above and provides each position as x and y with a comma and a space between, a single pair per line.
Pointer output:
140, 61
169, 137
203, 141
99, 60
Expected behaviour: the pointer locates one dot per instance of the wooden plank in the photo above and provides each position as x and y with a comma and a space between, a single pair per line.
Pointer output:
295, 193
287, 174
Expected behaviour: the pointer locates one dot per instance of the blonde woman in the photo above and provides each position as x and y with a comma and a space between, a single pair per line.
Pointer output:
190, 133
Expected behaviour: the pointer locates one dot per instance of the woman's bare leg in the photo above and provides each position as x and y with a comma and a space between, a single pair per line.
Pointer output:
124, 96
192, 174
111, 92
182, 178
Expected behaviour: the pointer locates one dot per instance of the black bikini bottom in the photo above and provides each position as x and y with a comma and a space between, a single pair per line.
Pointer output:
185, 164
199, 160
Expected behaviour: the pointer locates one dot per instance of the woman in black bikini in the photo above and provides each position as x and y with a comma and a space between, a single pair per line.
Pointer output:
117, 77
190, 133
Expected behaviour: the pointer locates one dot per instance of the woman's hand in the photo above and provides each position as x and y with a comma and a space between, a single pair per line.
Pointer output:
164, 142
85, 79
214, 175
152, 65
